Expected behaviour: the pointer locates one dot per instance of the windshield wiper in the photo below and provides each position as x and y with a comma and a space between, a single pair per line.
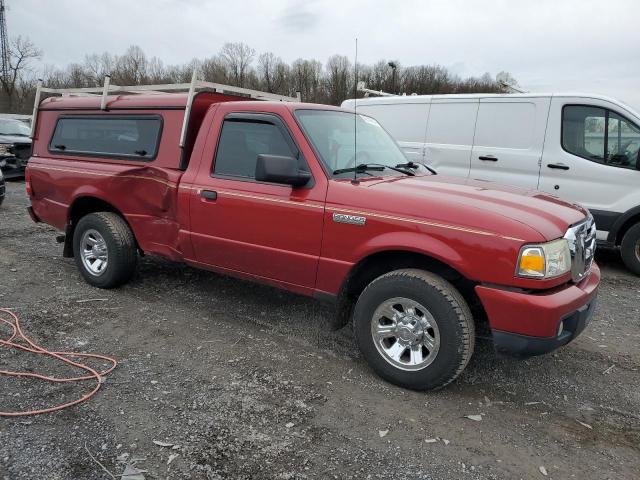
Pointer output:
364, 167
414, 165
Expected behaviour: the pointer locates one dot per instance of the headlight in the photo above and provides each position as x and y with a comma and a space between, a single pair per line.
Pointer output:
4, 149
545, 260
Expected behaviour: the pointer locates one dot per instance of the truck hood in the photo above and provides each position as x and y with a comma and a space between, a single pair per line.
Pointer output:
481, 204
14, 139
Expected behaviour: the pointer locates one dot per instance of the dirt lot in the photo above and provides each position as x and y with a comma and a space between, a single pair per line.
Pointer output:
248, 382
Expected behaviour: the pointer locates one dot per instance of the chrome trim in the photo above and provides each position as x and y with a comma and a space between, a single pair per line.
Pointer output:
582, 245
351, 219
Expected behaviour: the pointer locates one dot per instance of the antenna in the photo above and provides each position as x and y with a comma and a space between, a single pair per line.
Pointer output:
355, 119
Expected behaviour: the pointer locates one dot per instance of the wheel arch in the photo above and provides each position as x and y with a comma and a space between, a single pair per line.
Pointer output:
623, 224
84, 205
381, 262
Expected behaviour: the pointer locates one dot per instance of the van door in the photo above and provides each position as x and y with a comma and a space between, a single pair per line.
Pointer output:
591, 157
509, 140
406, 122
450, 131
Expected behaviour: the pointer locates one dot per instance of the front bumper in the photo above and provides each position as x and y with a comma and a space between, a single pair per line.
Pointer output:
525, 346
12, 167
526, 324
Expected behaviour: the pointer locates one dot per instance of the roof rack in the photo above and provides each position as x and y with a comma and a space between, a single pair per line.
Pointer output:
190, 88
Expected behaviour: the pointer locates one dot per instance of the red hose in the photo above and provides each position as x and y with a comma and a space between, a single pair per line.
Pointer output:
32, 347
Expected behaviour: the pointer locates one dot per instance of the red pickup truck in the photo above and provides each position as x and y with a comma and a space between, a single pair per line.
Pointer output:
319, 201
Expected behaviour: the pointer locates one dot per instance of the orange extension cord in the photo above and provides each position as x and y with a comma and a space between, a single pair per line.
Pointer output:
32, 347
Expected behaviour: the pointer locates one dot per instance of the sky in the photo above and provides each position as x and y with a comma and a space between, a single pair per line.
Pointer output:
547, 45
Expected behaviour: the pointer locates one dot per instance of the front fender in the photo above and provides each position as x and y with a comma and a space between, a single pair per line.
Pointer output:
414, 242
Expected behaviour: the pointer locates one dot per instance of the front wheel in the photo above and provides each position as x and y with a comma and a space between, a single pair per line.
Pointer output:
630, 249
104, 249
414, 329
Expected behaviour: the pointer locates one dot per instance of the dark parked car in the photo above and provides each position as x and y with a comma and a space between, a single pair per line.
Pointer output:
15, 147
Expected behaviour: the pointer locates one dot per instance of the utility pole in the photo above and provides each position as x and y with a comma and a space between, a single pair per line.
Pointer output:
4, 42
393, 76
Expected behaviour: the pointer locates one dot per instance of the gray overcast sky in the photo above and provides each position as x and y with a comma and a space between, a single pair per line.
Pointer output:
548, 45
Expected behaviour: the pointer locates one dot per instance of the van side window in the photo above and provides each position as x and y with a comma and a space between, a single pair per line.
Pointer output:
241, 142
123, 136
600, 135
623, 142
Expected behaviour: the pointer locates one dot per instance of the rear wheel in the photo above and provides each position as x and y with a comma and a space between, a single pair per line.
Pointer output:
630, 249
104, 249
414, 329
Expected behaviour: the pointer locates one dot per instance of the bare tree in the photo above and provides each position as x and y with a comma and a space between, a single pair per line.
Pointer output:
130, 68
214, 69
21, 53
273, 73
238, 57
233, 65
338, 81
307, 79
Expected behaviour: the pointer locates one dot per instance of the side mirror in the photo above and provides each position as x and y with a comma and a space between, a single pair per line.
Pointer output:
280, 169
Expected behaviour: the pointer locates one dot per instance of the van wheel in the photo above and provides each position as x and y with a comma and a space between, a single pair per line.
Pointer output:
630, 249
104, 249
414, 329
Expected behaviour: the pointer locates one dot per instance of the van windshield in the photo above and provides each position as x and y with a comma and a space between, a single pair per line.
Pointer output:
344, 141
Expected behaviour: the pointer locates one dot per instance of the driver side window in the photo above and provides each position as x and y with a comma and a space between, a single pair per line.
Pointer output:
600, 135
240, 143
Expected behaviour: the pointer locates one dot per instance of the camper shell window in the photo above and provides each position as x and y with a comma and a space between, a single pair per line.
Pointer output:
123, 136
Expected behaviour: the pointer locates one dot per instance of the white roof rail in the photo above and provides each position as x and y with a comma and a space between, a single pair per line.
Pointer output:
190, 88
362, 87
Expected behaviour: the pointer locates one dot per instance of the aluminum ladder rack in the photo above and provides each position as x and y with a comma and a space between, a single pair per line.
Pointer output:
192, 88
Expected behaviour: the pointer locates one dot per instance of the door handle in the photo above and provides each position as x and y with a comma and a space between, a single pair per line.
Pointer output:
209, 194
487, 158
558, 166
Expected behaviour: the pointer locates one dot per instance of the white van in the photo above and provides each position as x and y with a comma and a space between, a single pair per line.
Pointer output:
583, 148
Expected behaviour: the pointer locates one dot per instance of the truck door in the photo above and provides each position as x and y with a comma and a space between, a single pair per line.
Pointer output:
509, 139
268, 230
591, 157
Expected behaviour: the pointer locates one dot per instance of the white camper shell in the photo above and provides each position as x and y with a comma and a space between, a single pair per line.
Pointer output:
580, 147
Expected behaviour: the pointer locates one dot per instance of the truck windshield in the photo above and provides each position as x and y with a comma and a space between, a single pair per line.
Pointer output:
14, 127
344, 142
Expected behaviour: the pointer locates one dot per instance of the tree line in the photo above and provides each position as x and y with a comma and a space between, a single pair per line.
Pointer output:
235, 64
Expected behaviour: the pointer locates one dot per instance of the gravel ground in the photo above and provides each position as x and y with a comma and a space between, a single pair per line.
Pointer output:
245, 381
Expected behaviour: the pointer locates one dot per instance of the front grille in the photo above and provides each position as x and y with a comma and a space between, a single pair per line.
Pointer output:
582, 244
22, 151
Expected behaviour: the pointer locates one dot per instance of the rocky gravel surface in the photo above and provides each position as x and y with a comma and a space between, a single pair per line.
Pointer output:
219, 378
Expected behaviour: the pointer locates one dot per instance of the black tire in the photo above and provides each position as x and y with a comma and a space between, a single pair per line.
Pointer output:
450, 312
121, 249
630, 249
